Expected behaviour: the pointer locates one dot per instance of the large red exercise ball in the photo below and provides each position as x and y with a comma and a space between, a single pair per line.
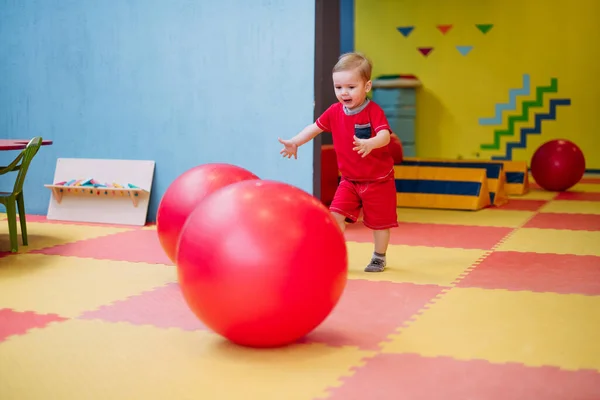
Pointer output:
395, 147
186, 192
262, 263
557, 165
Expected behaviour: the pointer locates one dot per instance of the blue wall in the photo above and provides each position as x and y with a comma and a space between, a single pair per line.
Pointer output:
181, 82
346, 26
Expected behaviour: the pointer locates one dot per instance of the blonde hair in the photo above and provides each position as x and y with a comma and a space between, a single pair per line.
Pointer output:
354, 61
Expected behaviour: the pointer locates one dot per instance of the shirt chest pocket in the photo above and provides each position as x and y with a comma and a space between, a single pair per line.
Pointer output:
362, 131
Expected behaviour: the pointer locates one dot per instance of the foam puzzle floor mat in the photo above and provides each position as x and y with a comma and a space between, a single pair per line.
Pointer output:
498, 304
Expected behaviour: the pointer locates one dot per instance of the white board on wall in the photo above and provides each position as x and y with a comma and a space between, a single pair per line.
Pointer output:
100, 206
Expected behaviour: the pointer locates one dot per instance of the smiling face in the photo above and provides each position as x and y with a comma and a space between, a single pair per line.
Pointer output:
350, 87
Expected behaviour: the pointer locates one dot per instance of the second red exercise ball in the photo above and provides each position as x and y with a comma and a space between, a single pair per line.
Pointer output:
186, 192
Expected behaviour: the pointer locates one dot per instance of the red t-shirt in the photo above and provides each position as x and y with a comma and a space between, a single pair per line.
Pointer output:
364, 123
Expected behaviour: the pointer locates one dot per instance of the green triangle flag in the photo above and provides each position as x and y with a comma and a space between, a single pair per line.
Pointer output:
484, 28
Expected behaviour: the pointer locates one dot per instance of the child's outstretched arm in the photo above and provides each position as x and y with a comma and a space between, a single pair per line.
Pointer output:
365, 146
290, 146
381, 139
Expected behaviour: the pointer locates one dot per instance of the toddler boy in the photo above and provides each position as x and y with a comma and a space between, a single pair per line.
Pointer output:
361, 134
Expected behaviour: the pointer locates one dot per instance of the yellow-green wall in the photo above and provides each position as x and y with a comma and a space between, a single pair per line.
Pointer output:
542, 38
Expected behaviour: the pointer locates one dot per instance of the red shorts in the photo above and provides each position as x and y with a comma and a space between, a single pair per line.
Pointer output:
376, 198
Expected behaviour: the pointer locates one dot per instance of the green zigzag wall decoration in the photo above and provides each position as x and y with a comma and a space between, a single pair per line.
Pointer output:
512, 120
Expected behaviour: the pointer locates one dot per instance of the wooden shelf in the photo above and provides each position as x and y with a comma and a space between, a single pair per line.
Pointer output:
59, 190
398, 83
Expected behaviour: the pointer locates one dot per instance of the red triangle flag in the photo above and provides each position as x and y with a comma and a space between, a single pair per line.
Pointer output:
444, 28
425, 50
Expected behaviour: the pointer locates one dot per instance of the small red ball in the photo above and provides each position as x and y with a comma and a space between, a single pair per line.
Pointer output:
396, 150
558, 165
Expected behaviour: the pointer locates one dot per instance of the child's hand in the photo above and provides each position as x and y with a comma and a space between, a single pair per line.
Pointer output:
289, 148
363, 146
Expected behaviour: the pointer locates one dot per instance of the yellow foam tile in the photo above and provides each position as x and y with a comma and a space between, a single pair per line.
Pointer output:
502, 326
413, 264
586, 187
553, 241
485, 217
572, 207
93, 360
70, 285
579, 187
42, 234
536, 194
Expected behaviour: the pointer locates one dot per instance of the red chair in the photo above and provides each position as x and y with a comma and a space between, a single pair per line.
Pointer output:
395, 147
329, 174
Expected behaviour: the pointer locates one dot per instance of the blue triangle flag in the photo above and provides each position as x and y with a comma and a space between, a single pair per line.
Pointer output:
464, 50
405, 30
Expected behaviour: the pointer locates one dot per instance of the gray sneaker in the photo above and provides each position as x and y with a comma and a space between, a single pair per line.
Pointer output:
376, 265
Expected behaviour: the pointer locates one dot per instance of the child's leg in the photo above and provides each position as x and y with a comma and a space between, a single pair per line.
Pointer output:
379, 207
381, 239
345, 206
340, 219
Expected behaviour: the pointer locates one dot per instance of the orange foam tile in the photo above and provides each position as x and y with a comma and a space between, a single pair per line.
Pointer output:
410, 376
590, 180
581, 196
576, 222
521, 205
536, 272
369, 311
435, 235
162, 307
19, 323
138, 245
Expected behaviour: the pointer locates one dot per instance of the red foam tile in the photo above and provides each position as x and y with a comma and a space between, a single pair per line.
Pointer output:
590, 180
410, 376
521, 205
19, 323
435, 235
163, 307
381, 307
580, 196
558, 273
370, 311
575, 222
132, 246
